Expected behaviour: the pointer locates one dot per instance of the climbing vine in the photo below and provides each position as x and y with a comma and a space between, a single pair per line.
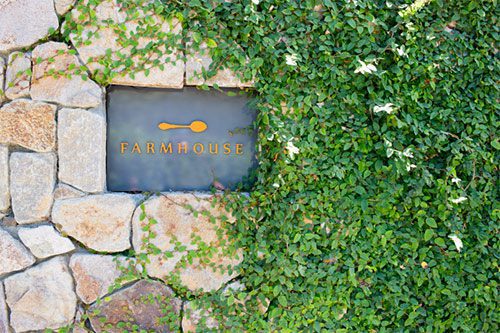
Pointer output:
375, 207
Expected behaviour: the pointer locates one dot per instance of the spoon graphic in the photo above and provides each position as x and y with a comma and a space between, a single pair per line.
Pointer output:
196, 126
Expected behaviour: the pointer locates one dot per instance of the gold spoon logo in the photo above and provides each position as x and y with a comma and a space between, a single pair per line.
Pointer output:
196, 126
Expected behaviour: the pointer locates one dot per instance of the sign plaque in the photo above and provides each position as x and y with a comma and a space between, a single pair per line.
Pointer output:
177, 140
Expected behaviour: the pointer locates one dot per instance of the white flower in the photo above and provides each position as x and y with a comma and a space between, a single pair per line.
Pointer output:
291, 59
276, 185
389, 107
456, 180
401, 51
458, 242
458, 200
292, 150
256, 2
365, 68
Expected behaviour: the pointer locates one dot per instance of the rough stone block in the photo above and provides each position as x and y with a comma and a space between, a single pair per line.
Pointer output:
17, 78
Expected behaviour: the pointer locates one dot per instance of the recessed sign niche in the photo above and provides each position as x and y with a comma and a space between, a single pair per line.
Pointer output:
188, 139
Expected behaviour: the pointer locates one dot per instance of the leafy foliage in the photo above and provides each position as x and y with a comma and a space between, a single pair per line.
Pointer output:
376, 203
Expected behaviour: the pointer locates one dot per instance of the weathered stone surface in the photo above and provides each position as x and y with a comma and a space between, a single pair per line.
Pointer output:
72, 90
132, 307
81, 137
24, 22
44, 241
64, 191
17, 79
41, 297
8, 221
4, 179
14, 256
94, 274
2, 79
28, 124
100, 222
172, 75
4, 315
200, 60
197, 319
177, 222
32, 181
63, 6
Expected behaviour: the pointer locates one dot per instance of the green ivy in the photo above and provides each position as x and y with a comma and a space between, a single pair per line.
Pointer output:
375, 208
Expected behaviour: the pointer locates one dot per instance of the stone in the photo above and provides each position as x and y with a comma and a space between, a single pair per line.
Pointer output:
4, 314
64, 191
172, 75
200, 60
29, 124
69, 89
17, 79
4, 179
44, 241
81, 137
138, 305
2, 79
24, 22
32, 181
94, 274
14, 256
63, 6
197, 319
100, 222
8, 222
41, 297
174, 221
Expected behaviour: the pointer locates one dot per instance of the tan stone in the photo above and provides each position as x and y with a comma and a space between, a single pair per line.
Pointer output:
94, 274
44, 241
24, 22
174, 221
64, 87
14, 256
28, 124
137, 306
4, 314
200, 60
64, 191
4, 179
63, 6
32, 181
172, 75
41, 297
17, 79
100, 222
81, 138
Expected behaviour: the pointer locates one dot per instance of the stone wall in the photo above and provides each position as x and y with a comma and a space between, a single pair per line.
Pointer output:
61, 232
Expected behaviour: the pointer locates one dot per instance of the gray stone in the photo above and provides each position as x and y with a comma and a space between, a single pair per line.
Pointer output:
64, 191
44, 241
172, 75
63, 6
42, 297
4, 314
32, 181
4, 179
14, 256
29, 124
24, 22
175, 222
69, 89
81, 136
100, 222
94, 274
17, 79
138, 305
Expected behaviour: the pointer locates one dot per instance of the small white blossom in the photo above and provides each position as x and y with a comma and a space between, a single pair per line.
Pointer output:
291, 59
292, 150
456, 180
458, 200
365, 68
389, 107
276, 185
458, 242
401, 51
